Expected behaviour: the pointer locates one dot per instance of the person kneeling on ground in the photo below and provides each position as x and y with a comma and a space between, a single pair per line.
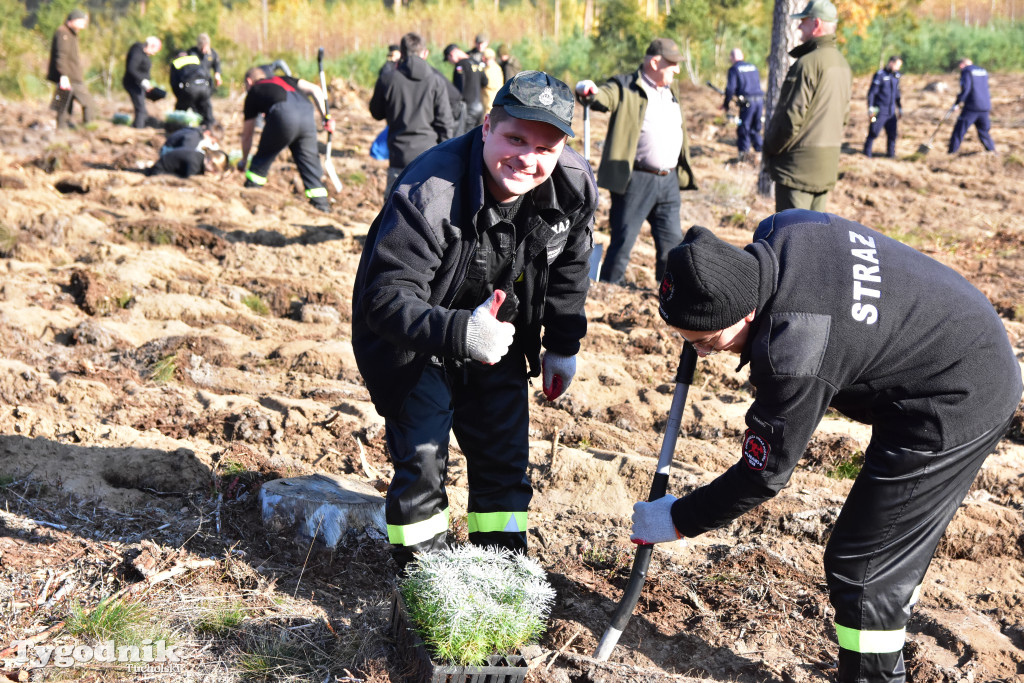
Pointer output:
191, 151
830, 313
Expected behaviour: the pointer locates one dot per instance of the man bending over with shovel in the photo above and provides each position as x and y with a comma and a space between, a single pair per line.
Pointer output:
484, 240
828, 312
289, 123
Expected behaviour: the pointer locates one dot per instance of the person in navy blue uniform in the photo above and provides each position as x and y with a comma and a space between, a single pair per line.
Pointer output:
884, 106
830, 313
744, 83
974, 98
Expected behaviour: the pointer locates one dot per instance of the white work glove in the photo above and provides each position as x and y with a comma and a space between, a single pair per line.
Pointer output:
487, 338
65, 83
652, 522
586, 87
558, 373
146, 85
586, 90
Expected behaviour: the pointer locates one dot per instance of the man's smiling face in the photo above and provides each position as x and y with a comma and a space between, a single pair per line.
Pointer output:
519, 155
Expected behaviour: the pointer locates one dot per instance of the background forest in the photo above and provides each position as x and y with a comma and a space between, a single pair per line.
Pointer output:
570, 38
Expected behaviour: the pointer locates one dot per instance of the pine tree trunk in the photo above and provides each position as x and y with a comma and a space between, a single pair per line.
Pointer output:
784, 39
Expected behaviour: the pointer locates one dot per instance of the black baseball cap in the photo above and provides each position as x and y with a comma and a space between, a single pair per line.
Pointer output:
537, 96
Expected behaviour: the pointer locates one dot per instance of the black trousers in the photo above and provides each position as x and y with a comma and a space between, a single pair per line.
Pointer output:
196, 97
883, 542
138, 97
290, 125
487, 408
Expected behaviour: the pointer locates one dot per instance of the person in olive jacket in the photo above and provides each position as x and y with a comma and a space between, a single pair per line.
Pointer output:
67, 70
804, 137
646, 157
830, 313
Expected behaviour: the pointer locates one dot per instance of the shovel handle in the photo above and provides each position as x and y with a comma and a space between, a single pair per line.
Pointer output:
642, 559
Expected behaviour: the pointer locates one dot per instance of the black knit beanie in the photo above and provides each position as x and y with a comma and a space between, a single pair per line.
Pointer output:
709, 284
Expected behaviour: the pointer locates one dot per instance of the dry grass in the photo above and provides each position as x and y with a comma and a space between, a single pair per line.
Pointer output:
126, 580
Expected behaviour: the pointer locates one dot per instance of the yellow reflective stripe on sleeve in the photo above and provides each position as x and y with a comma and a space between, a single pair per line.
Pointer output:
258, 179
411, 534
316, 192
871, 641
496, 521
185, 61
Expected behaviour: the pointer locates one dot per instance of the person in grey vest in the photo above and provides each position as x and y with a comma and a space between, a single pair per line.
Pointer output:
646, 157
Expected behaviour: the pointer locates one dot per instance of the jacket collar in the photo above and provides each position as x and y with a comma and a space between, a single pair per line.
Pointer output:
812, 45
768, 284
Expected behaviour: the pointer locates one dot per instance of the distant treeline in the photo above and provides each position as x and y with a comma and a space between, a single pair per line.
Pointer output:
357, 32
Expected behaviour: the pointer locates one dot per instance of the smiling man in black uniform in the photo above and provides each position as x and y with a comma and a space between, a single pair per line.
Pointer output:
484, 241
828, 312
290, 123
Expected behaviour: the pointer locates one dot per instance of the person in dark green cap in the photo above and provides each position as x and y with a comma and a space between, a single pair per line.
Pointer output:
803, 139
473, 279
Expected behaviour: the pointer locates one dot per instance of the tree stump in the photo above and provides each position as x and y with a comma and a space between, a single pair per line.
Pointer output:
321, 506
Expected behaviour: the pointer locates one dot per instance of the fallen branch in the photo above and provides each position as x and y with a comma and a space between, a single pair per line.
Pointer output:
562, 650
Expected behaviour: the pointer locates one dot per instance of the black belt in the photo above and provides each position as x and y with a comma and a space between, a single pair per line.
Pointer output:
655, 171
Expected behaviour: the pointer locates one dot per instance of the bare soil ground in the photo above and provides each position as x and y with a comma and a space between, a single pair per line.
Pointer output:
168, 345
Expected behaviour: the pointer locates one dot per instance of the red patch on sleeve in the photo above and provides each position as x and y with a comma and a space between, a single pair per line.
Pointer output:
755, 450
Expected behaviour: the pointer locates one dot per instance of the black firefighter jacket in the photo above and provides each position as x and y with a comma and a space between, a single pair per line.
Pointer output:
418, 254
855, 320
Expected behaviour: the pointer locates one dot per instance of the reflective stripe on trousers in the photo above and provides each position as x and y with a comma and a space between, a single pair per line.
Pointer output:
882, 543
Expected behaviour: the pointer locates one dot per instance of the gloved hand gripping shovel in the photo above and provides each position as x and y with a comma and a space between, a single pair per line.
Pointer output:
332, 175
923, 149
642, 560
